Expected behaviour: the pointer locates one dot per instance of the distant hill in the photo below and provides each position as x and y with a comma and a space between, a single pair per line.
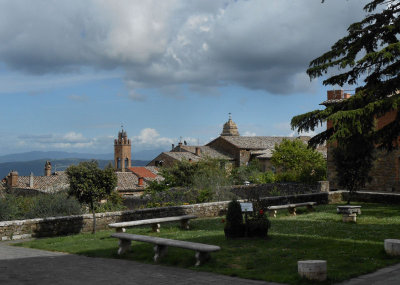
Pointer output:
37, 166
146, 155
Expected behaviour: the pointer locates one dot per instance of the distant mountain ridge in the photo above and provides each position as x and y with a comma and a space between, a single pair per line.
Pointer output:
146, 155
24, 168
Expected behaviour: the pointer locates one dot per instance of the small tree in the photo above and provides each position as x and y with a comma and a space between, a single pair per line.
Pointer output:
89, 184
298, 163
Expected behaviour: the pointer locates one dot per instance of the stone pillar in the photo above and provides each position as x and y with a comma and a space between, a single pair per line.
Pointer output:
323, 186
312, 269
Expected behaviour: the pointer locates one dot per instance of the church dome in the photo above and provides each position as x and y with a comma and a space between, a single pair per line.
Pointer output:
230, 128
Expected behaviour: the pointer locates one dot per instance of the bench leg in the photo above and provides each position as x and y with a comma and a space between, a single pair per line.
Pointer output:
155, 227
120, 230
292, 211
310, 208
272, 213
201, 257
159, 252
185, 224
124, 245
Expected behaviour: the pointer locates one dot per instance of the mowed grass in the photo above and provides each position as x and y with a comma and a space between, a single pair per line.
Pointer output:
350, 249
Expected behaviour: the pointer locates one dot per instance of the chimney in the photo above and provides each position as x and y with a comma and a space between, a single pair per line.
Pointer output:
31, 180
338, 94
173, 146
140, 183
198, 151
12, 179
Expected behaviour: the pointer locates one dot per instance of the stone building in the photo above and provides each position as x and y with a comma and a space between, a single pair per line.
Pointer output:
230, 146
386, 169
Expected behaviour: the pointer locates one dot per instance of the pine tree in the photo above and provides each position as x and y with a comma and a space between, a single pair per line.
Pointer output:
369, 57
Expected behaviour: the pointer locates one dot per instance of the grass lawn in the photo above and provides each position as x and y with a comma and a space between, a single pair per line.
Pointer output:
350, 249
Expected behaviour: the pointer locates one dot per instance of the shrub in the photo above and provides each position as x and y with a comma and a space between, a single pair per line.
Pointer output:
234, 226
114, 203
259, 225
51, 205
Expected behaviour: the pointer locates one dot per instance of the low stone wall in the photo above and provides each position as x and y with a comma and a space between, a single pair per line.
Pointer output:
83, 223
55, 226
254, 191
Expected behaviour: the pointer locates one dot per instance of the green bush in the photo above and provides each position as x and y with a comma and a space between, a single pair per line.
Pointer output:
14, 207
259, 225
52, 205
234, 226
114, 203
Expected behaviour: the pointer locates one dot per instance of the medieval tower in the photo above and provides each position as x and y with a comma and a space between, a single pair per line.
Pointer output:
122, 152
47, 168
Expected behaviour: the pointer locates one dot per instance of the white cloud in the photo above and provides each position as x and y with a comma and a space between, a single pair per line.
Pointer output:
249, 134
150, 137
257, 44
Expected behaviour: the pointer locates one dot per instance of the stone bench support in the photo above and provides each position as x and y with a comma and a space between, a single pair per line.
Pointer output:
349, 213
272, 210
161, 246
155, 223
312, 269
392, 247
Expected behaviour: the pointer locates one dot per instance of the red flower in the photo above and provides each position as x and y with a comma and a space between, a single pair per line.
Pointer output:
223, 221
261, 212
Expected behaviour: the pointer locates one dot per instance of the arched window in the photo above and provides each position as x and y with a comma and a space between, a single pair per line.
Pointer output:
126, 163
119, 163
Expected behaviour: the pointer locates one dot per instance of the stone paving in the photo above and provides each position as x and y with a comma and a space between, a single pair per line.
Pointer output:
31, 266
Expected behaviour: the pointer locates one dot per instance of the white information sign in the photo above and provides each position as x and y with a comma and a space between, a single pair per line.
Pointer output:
246, 207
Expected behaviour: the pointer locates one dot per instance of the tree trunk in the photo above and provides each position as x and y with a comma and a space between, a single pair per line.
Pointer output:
94, 217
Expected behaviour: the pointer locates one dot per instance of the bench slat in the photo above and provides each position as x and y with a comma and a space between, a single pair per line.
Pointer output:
168, 242
151, 221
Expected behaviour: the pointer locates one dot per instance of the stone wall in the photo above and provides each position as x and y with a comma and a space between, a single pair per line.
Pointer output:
254, 191
83, 223
55, 226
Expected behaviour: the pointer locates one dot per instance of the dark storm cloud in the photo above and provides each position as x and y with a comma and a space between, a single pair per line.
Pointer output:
256, 44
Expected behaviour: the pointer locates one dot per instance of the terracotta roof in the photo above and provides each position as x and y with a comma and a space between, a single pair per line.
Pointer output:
260, 142
142, 172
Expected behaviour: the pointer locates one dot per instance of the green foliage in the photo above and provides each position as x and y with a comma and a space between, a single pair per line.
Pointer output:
370, 51
114, 203
234, 226
90, 184
39, 206
251, 172
298, 163
259, 225
188, 182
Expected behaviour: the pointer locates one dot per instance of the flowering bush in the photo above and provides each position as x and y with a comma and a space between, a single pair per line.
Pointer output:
259, 225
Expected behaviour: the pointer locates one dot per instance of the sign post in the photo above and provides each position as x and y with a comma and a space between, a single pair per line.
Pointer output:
246, 207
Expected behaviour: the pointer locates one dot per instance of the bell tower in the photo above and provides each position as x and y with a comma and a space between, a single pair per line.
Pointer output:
122, 151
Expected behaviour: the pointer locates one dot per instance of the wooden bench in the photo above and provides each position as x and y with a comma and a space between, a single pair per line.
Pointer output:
155, 223
291, 207
161, 246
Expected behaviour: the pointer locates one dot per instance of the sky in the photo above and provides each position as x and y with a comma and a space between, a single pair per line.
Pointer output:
73, 72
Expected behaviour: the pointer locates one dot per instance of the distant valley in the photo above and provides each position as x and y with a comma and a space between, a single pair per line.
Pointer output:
34, 161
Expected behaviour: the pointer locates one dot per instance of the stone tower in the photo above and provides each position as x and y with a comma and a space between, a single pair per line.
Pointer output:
47, 168
230, 128
122, 152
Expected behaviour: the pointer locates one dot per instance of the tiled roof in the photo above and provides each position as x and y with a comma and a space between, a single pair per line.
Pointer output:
206, 151
260, 142
179, 155
332, 101
142, 172
128, 181
55, 182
